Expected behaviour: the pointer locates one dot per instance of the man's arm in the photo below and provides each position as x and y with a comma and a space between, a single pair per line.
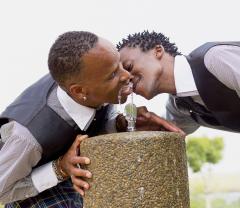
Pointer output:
19, 154
149, 121
223, 62
21, 189
146, 121
182, 119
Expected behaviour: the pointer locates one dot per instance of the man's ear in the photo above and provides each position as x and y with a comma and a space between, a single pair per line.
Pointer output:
159, 51
77, 92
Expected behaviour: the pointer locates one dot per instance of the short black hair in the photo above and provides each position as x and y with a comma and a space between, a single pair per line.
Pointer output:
147, 41
64, 59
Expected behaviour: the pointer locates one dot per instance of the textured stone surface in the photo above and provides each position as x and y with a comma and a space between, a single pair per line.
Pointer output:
137, 170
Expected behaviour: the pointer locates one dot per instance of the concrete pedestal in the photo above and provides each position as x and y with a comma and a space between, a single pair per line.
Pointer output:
137, 170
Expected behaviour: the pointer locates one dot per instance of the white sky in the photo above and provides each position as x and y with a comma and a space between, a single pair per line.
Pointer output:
28, 28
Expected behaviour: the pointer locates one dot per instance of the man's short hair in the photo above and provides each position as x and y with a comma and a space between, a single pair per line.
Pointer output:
147, 41
64, 59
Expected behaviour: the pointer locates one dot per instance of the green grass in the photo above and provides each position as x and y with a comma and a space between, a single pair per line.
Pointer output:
214, 184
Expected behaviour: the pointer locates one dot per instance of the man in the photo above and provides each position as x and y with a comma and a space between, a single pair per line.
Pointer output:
42, 129
204, 86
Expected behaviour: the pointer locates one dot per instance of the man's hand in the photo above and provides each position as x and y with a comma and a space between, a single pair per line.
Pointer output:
71, 162
150, 121
121, 123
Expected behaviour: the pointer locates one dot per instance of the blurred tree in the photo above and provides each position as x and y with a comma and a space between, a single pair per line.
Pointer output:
202, 150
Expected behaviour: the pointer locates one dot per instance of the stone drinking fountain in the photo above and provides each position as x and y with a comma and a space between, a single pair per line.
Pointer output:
134, 169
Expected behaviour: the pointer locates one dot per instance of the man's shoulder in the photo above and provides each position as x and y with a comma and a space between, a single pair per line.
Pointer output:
221, 55
221, 49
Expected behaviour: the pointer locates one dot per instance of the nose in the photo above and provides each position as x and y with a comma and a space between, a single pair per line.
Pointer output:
125, 75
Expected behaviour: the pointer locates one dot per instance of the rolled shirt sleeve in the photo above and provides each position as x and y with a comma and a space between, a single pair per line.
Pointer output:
19, 154
44, 177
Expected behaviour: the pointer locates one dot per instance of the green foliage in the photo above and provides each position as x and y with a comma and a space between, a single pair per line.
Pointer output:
201, 150
196, 187
221, 203
197, 202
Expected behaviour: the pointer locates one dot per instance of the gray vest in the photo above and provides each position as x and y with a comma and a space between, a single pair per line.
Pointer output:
223, 103
52, 132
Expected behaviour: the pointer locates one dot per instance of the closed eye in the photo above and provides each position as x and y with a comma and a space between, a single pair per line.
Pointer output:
113, 75
129, 67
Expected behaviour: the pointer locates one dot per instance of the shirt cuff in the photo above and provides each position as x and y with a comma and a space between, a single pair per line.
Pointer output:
44, 177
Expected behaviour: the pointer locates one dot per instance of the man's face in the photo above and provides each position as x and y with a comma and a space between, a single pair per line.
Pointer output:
145, 68
103, 75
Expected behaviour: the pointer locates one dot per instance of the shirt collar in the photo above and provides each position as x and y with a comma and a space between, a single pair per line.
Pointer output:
82, 115
184, 81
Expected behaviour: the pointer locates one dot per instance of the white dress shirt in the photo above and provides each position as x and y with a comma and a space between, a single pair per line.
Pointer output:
183, 77
82, 115
184, 81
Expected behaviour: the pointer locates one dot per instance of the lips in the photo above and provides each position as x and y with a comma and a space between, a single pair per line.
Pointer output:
135, 83
126, 90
